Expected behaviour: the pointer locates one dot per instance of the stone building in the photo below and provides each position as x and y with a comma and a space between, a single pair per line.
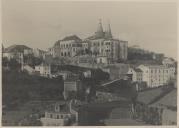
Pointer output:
60, 114
69, 46
136, 74
100, 44
103, 44
156, 75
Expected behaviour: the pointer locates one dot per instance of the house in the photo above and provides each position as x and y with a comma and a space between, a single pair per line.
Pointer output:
136, 74
43, 69
168, 105
29, 69
102, 43
168, 62
16, 52
69, 46
60, 114
155, 75
147, 107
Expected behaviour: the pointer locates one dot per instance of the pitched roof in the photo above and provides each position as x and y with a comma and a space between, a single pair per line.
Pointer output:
152, 95
73, 37
137, 70
149, 95
169, 100
16, 48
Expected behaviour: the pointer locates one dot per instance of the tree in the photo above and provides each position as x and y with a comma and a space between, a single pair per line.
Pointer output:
14, 65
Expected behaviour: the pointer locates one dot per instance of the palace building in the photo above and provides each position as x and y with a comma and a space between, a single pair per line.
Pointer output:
100, 44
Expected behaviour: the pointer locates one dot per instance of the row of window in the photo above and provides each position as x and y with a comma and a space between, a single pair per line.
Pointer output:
70, 45
155, 71
102, 43
65, 54
59, 116
159, 71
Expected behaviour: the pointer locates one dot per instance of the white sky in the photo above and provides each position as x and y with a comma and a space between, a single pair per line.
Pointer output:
151, 25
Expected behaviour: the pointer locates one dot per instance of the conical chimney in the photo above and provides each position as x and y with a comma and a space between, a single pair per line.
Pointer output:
108, 33
99, 32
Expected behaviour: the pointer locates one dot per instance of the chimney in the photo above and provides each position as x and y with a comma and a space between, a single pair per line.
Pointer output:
108, 33
99, 32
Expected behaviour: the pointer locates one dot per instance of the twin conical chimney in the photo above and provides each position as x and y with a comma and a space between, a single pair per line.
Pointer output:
100, 33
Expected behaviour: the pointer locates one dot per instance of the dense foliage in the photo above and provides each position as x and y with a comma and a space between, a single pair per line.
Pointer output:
19, 87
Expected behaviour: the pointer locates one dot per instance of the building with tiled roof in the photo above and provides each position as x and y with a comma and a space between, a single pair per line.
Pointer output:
156, 75
69, 46
72, 37
157, 106
169, 100
61, 113
43, 69
101, 43
16, 48
16, 52
135, 74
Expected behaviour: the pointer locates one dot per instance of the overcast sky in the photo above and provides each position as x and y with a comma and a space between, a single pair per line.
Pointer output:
38, 24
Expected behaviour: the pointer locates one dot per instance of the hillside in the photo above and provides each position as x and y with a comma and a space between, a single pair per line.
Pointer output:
19, 87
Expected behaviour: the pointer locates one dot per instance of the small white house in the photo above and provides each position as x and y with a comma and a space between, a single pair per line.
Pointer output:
61, 114
43, 70
168, 62
136, 74
28, 68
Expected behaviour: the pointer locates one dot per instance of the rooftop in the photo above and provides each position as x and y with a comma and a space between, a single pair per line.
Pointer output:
73, 37
153, 95
169, 100
137, 70
16, 48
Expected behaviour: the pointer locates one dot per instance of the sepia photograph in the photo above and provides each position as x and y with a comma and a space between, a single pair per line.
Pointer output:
89, 63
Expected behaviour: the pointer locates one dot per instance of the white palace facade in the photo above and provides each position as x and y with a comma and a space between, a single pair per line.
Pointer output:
101, 44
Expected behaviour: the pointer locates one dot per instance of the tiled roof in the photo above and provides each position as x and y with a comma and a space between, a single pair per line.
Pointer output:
16, 48
73, 37
137, 70
169, 99
153, 95
149, 95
